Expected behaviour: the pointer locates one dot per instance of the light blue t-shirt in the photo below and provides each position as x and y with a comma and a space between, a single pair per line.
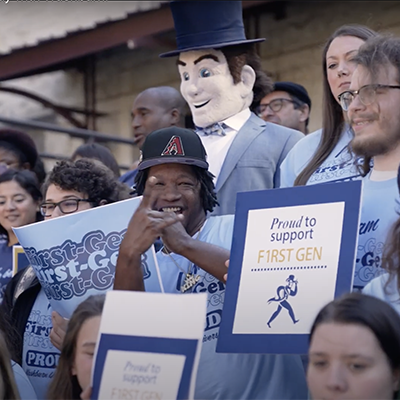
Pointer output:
384, 289
339, 166
25, 388
379, 211
230, 376
39, 356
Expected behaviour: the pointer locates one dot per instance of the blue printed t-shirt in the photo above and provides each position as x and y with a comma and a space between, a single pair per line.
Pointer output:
230, 376
378, 213
39, 356
340, 165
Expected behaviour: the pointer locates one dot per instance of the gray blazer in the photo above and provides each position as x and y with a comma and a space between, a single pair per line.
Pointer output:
253, 161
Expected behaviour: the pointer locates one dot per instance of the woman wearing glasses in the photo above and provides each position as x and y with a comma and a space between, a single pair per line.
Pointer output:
70, 187
288, 105
20, 197
323, 156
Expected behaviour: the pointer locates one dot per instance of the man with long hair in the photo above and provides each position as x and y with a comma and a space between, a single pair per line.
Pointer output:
371, 103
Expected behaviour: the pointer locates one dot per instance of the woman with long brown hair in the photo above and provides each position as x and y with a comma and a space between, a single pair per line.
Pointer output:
76, 360
324, 155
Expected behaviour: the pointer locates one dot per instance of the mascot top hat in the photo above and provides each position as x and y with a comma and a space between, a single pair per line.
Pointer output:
207, 24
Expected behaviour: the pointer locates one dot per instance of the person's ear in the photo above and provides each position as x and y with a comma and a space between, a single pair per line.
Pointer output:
103, 202
248, 78
304, 112
175, 116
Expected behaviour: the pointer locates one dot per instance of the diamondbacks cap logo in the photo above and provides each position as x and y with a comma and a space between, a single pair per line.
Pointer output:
174, 147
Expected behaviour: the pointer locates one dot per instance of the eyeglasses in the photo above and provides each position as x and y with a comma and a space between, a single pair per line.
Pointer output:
67, 206
367, 95
274, 105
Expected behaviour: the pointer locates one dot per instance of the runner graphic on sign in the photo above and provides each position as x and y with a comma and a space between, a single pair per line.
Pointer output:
282, 294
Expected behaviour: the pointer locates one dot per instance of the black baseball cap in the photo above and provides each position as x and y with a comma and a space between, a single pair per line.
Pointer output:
294, 89
173, 145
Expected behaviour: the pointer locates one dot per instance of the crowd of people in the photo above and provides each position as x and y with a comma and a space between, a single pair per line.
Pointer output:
252, 136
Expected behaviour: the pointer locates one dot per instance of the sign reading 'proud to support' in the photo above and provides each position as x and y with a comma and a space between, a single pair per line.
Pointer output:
153, 354
293, 252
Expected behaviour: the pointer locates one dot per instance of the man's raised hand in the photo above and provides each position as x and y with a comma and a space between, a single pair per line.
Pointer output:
147, 224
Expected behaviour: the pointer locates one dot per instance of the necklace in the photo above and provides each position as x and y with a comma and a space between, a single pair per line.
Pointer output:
190, 278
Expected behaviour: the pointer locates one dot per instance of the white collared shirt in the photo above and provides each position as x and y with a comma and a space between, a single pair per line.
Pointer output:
217, 146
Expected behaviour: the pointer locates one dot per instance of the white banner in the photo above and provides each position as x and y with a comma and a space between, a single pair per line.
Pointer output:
290, 260
153, 354
74, 256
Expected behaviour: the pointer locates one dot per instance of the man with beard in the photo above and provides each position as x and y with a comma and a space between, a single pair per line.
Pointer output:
372, 104
178, 193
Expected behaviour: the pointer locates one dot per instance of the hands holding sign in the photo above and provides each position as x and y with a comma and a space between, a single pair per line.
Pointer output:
58, 330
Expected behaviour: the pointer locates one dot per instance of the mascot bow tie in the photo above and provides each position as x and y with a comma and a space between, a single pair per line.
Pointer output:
215, 129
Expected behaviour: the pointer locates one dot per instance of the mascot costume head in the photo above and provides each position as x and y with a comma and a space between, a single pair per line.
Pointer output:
220, 71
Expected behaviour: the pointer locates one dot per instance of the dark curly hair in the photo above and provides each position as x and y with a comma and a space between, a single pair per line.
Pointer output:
28, 181
208, 196
376, 53
87, 176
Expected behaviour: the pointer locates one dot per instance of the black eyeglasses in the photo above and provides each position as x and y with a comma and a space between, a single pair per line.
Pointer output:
367, 95
274, 105
67, 206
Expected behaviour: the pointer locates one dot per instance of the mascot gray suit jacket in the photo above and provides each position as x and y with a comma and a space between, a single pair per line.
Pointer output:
253, 161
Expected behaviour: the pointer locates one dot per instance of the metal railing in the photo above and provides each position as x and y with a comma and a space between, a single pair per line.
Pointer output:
86, 134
